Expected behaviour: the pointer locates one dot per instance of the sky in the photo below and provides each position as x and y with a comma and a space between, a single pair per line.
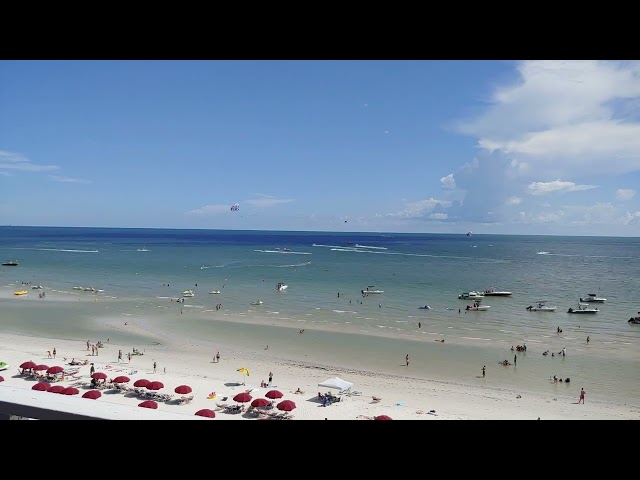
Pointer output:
426, 146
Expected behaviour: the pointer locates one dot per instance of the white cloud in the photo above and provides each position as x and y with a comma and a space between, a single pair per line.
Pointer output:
421, 208
57, 178
544, 188
266, 201
514, 200
625, 194
17, 161
209, 210
448, 182
632, 218
439, 216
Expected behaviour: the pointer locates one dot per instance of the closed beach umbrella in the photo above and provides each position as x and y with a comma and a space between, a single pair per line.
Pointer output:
286, 405
121, 379
183, 389
242, 397
55, 369
56, 389
383, 417
155, 385
42, 386
99, 375
260, 402
28, 364
143, 382
273, 394
205, 412
39, 368
148, 404
70, 391
92, 394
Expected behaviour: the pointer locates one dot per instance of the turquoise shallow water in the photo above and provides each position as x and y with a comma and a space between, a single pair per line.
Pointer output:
373, 332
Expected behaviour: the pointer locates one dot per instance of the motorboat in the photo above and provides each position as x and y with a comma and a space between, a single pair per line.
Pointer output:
583, 308
188, 293
10, 263
541, 307
635, 320
371, 290
477, 308
494, 292
257, 302
37, 287
20, 292
473, 295
145, 249
281, 287
592, 297
424, 307
215, 292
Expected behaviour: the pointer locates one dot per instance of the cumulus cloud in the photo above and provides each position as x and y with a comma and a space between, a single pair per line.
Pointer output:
625, 194
209, 210
544, 188
57, 178
17, 161
266, 201
632, 218
514, 200
448, 182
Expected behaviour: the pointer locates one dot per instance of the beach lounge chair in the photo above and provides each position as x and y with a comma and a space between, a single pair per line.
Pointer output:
375, 399
222, 406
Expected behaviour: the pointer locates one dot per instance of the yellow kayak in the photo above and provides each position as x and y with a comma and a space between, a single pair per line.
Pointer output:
21, 292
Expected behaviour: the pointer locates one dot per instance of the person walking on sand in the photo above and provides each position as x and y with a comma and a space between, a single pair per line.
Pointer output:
515, 360
49, 354
218, 357
483, 370
581, 396
407, 359
154, 367
129, 356
92, 370
270, 378
119, 355
54, 353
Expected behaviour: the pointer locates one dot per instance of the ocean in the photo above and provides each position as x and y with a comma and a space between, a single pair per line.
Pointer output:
141, 273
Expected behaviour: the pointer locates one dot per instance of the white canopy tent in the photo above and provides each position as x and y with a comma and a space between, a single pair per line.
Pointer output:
337, 383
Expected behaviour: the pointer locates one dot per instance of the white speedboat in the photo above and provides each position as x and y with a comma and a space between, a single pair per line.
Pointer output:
477, 308
257, 302
424, 307
214, 292
371, 290
471, 296
494, 292
592, 297
281, 287
583, 308
188, 293
541, 307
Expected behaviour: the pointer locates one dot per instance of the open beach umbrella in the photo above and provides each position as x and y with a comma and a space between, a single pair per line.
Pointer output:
1, 379
383, 417
143, 382
205, 412
70, 391
92, 394
99, 375
183, 389
55, 369
39, 368
242, 397
155, 385
148, 404
260, 402
286, 405
244, 371
28, 364
56, 389
41, 386
121, 379
274, 394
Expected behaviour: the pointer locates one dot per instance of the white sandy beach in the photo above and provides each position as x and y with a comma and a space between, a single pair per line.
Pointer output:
401, 397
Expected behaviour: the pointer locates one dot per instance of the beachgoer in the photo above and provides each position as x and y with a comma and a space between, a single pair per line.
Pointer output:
217, 357
270, 378
54, 353
119, 355
92, 370
581, 396
298, 391
129, 356
407, 359
587, 338
483, 370
49, 354
515, 359
87, 345
419, 325
154, 367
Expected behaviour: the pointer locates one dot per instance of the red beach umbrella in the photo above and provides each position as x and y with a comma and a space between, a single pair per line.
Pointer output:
28, 364
99, 376
383, 417
92, 394
54, 370
121, 379
1, 379
42, 386
183, 389
143, 382
70, 391
260, 402
205, 412
155, 385
242, 397
286, 405
148, 404
273, 394
56, 389
39, 368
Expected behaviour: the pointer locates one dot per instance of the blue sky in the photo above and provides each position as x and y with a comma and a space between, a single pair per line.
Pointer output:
523, 147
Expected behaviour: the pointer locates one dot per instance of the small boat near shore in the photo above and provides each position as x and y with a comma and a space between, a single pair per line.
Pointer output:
281, 287
371, 290
10, 263
472, 295
21, 292
477, 308
494, 292
257, 302
583, 308
541, 307
635, 320
214, 292
592, 298
188, 293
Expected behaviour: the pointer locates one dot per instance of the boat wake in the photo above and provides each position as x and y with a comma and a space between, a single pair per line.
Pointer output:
283, 251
